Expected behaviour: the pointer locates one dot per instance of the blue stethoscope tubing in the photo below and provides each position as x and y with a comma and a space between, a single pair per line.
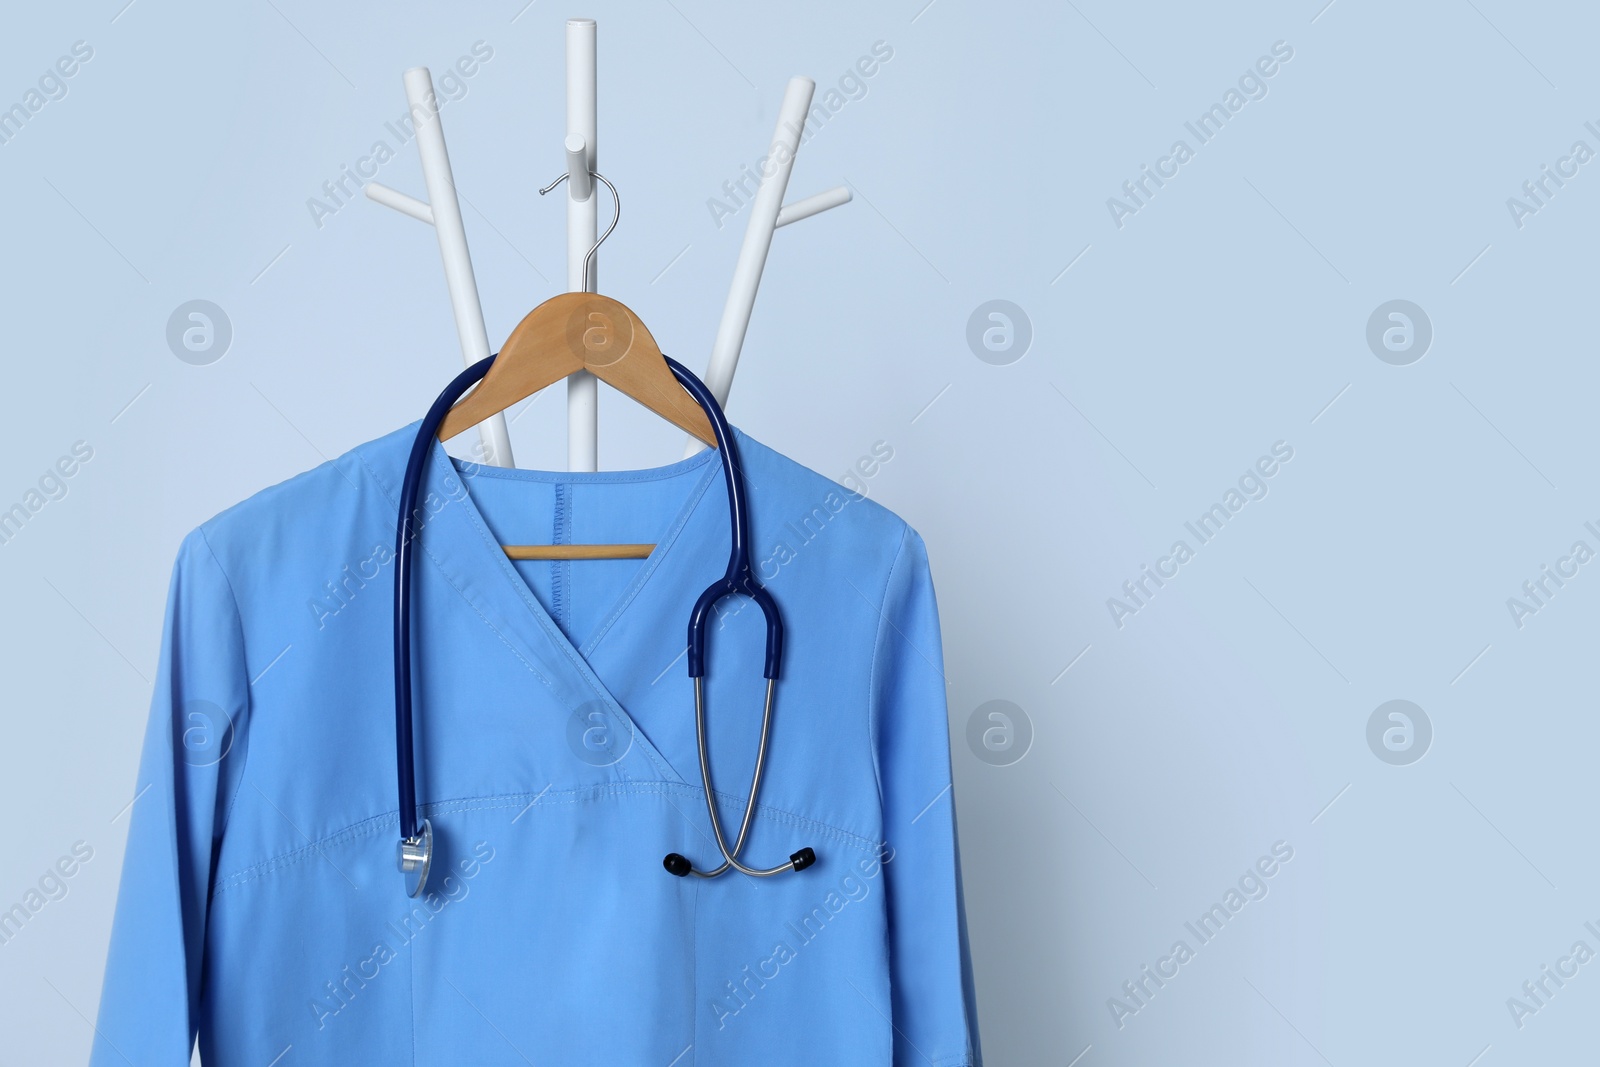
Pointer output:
416, 844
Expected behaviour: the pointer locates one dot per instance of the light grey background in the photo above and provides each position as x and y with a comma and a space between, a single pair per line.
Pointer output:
1230, 312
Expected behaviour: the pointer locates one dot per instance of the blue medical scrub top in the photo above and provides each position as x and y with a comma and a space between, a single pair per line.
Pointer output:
261, 910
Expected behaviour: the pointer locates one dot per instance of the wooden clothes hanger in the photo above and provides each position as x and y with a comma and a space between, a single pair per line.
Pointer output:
574, 332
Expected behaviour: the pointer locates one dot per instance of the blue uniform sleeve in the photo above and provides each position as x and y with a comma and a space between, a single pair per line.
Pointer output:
193, 751
934, 1010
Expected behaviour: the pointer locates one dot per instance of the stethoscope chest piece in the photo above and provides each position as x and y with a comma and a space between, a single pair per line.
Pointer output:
416, 856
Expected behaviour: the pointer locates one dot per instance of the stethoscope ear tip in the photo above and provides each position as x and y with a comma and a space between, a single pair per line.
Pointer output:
676, 865
803, 859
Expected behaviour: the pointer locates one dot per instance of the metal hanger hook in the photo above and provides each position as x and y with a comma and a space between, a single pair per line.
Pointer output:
616, 216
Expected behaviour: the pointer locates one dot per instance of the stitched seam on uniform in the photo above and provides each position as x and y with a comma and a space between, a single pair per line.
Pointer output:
565, 647
462, 593
365, 828
557, 639
417, 537
517, 801
694, 971
372, 472
411, 968
559, 535
877, 647
238, 618
608, 790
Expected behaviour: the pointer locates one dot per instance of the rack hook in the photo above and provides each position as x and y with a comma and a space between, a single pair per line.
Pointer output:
616, 216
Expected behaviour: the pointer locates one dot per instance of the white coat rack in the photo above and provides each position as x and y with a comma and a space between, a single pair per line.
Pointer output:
443, 211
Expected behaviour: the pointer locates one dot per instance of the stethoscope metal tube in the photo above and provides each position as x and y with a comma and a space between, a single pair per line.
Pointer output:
799, 861
415, 854
739, 580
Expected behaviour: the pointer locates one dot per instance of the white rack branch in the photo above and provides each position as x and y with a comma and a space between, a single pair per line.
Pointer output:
443, 212
813, 205
766, 215
583, 388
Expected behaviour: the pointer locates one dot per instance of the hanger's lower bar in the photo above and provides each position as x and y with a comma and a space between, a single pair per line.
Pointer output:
578, 551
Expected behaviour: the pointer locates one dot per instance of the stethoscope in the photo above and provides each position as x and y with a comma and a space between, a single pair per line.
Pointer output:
416, 839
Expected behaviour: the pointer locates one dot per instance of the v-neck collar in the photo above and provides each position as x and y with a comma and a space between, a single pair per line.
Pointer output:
459, 541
